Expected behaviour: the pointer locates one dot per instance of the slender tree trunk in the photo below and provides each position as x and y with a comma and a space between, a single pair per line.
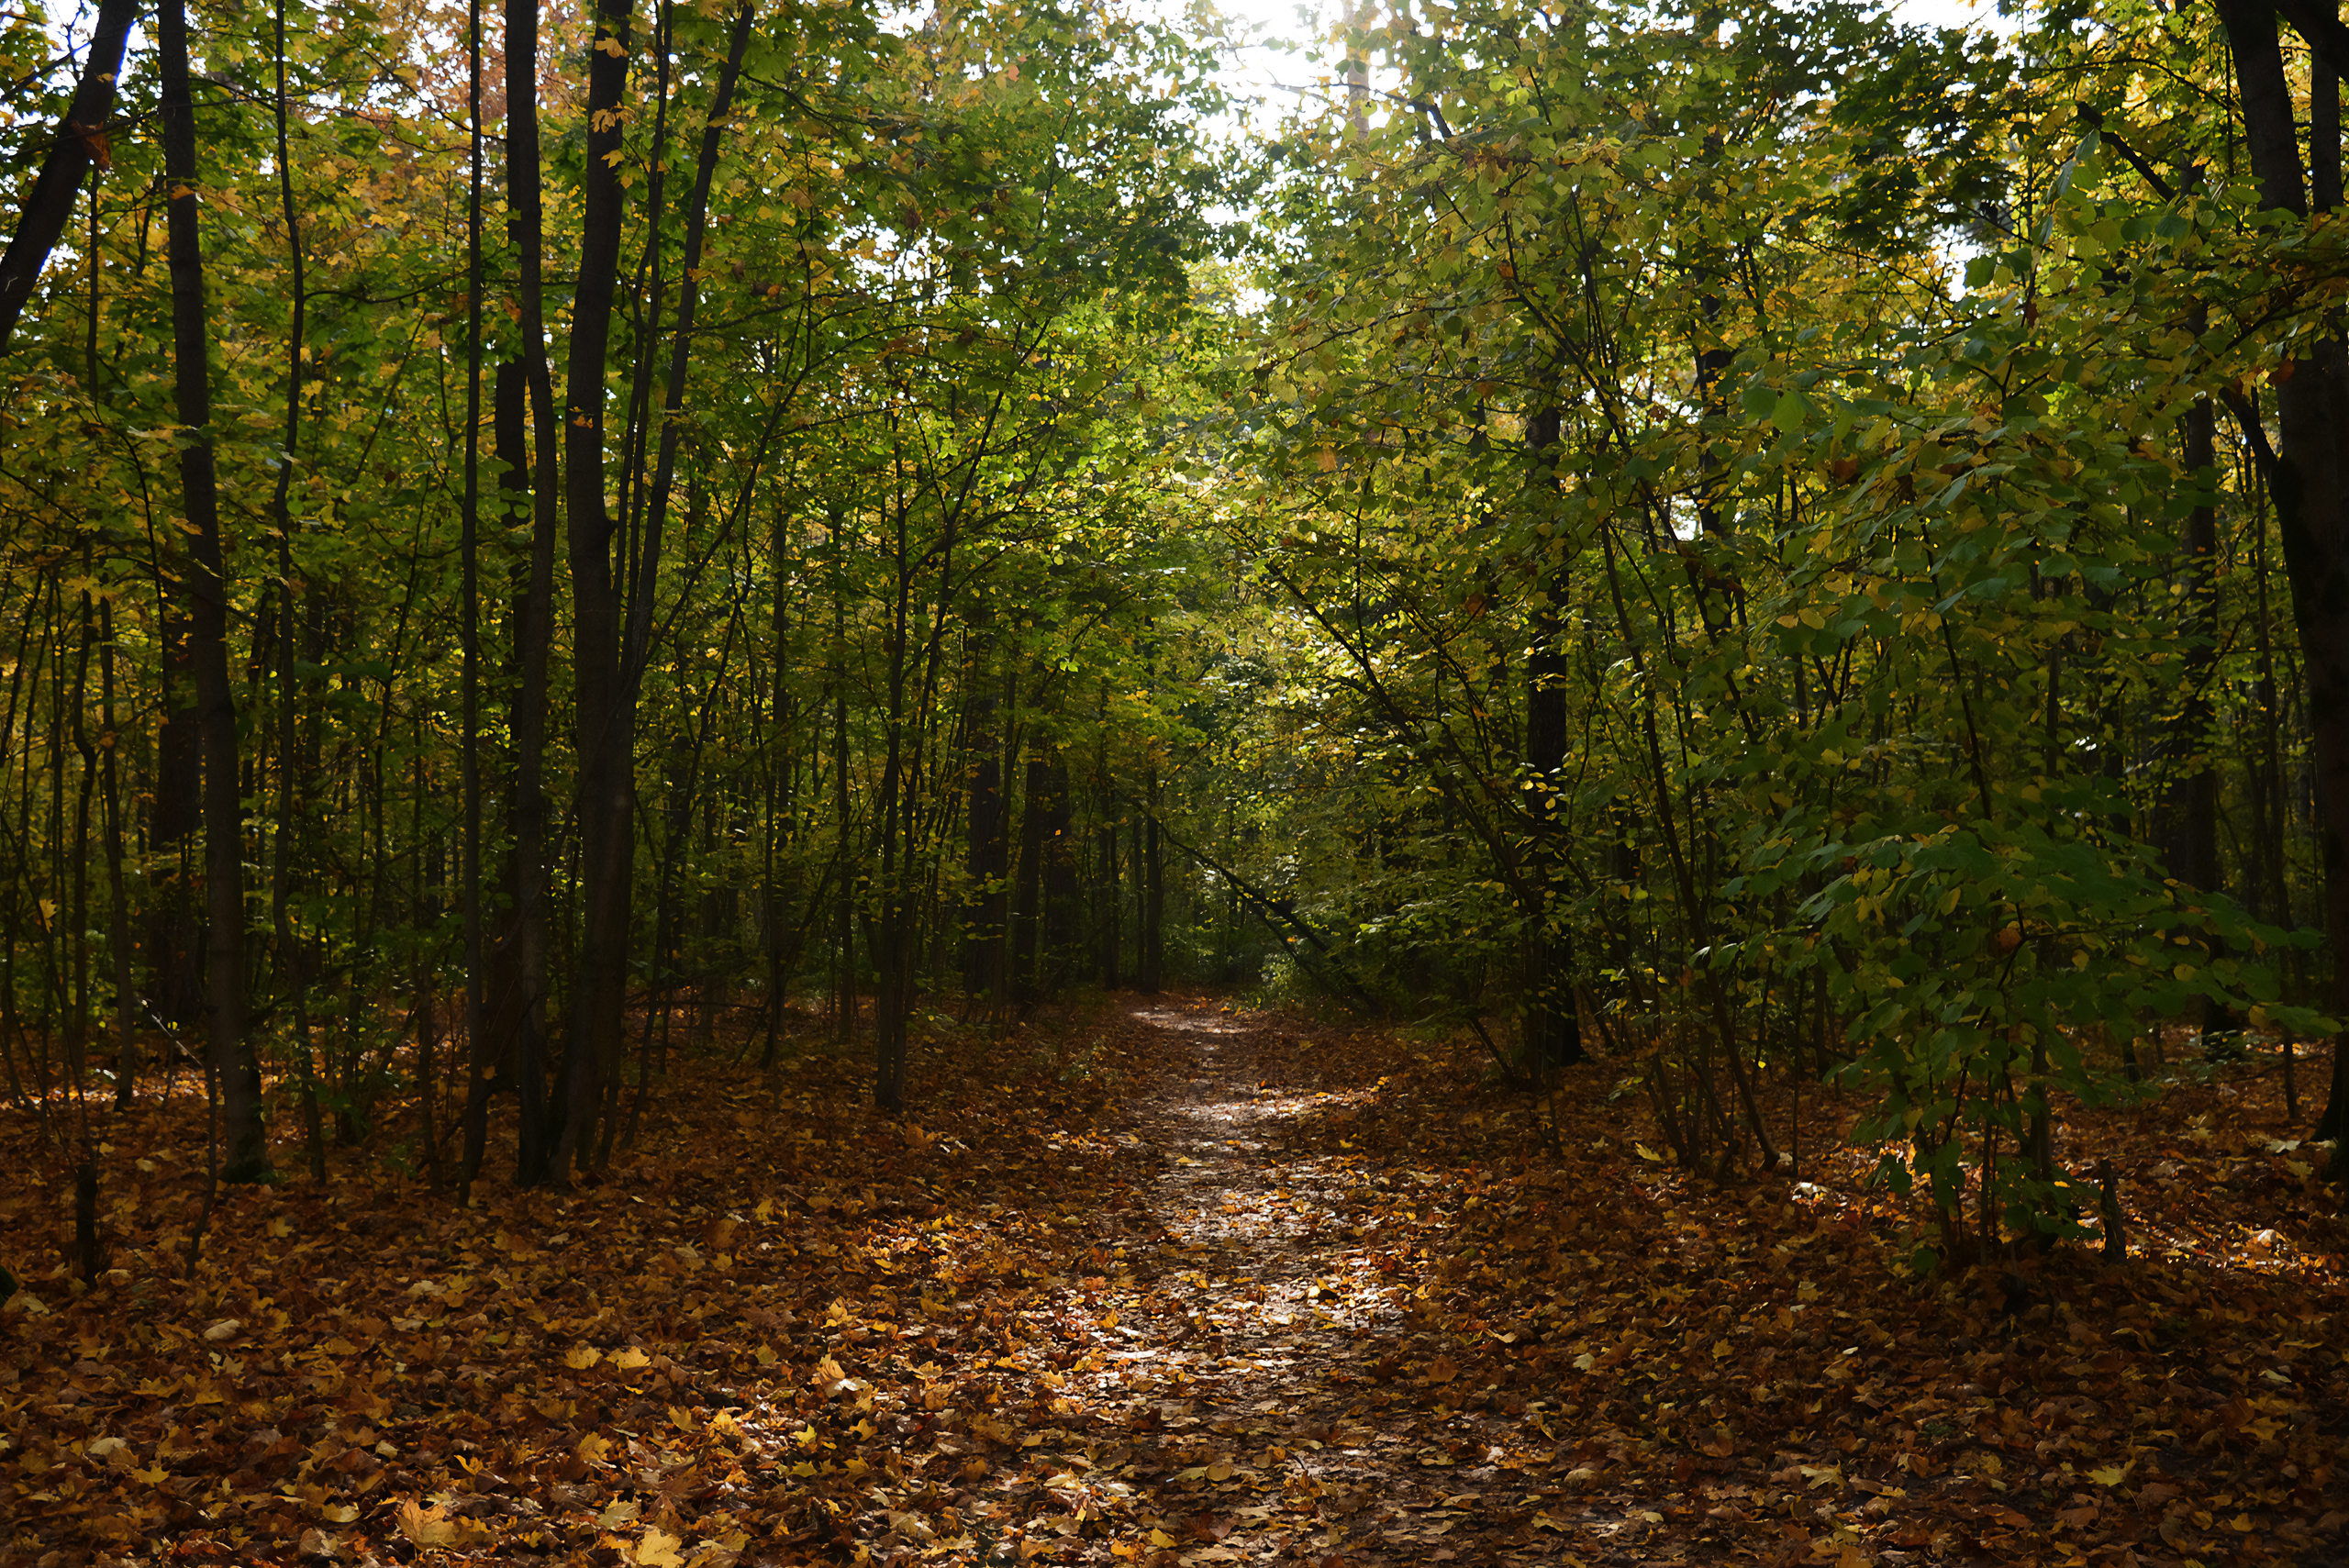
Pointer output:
293, 957
246, 1155
117, 896
1063, 895
892, 922
80, 140
1150, 965
1553, 1029
524, 937
986, 849
844, 912
783, 760
1105, 871
605, 731
1028, 884
175, 822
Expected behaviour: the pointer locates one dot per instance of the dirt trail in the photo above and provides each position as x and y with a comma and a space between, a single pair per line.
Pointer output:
1258, 1438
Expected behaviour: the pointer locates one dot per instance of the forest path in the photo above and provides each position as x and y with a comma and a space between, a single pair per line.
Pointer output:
1277, 1318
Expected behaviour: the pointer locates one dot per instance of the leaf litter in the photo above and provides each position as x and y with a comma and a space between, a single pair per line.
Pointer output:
1163, 1283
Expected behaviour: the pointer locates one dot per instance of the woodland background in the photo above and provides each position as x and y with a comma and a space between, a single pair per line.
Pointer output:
590, 593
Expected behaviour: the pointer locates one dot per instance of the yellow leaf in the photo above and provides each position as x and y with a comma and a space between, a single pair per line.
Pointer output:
658, 1549
592, 1449
630, 1359
1326, 459
1160, 1539
2111, 1475
427, 1527
616, 1514
581, 1357
1644, 1152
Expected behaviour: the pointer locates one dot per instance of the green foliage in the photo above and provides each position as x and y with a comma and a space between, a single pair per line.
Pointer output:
1866, 591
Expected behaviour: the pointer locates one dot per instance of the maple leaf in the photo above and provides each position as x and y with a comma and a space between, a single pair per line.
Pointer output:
426, 1527
658, 1548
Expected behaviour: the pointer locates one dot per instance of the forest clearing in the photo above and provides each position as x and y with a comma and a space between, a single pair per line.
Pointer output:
1161, 1281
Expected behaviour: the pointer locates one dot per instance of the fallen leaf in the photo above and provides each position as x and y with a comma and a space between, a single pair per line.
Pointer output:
658, 1548
426, 1527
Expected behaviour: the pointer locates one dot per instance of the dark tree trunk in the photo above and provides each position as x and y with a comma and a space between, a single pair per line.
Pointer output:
1063, 893
523, 939
605, 732
1553, 1027
844, 908
174, 821
292, 954
1027, 891
986, 847
2308, 489
504, 988
2193, 805
81, 140
1105, 867
783, 760
117, 898
1150, 959
230, 1051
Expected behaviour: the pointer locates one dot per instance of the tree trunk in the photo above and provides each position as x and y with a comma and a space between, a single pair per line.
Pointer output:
293, 956
986, 847
231, 1053
782, 798
1105, 869
174, 822
81, 140
118, 897
1552, 1030
604, 727
2307, 491
1028, 888
844, 910
1062, 892
1150, 958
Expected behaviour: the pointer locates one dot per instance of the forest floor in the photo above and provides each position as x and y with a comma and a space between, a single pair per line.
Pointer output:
1163, 1283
